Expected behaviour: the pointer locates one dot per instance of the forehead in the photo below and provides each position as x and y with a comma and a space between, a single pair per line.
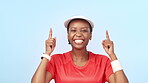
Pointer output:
76, 22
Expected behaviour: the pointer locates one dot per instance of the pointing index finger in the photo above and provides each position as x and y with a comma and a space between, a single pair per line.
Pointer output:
107, 35
50, 33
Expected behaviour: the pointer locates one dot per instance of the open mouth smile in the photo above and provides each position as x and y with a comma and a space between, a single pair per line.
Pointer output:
78, 41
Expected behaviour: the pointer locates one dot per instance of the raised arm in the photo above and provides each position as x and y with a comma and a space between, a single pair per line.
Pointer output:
41, 75
118, 76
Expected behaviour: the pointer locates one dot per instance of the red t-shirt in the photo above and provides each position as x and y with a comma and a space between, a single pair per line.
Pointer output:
63, 70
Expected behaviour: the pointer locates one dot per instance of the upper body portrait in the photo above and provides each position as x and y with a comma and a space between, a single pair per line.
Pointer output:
79, 65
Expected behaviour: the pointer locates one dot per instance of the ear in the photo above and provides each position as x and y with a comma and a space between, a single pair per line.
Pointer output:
67, 35
68, 38
90, 36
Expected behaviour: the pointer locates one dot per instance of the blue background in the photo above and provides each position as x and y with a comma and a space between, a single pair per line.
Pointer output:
25, 24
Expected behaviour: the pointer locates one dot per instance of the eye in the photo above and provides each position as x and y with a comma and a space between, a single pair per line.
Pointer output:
84, 30
72, 30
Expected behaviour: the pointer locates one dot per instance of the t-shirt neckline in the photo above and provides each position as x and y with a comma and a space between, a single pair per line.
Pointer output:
79, 67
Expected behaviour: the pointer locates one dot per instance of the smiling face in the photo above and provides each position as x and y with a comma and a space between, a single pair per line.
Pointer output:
79, 33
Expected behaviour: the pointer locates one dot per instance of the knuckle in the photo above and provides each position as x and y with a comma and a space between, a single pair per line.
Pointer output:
51, 39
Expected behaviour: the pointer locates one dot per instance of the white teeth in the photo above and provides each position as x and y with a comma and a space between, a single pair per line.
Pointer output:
78, 41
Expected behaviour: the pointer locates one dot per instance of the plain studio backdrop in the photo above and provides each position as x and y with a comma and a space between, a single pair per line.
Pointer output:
25, 24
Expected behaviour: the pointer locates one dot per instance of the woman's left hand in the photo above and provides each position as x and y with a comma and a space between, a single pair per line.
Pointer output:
108, 46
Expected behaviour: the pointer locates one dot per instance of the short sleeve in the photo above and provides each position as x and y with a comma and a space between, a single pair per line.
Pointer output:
51, 67
108, 70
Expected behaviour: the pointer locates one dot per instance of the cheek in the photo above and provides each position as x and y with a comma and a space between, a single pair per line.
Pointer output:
88, 36
69, 36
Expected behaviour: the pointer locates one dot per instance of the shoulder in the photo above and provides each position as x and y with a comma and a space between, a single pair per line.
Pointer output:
98, 57
63, 57
56, 56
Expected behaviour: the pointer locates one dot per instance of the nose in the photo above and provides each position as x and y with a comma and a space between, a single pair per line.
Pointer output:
78, 34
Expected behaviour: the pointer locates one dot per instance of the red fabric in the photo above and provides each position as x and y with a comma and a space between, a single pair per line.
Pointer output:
63, 70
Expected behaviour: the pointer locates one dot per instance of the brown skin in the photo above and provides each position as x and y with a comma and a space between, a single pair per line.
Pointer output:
78, 29
119, 76
41, 75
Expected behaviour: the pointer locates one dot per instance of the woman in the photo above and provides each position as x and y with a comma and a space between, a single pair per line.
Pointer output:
79, 65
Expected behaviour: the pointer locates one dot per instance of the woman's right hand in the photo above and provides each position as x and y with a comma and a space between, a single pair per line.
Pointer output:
50, 43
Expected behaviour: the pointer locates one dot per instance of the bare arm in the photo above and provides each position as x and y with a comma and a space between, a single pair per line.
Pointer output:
41, 75
119, 76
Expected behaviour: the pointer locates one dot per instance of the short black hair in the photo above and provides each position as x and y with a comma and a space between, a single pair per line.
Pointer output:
79, 19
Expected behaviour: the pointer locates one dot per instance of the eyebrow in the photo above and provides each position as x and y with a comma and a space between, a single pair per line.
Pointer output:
85, 27
81, 27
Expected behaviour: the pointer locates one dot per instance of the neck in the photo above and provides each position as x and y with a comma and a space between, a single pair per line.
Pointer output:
79, 54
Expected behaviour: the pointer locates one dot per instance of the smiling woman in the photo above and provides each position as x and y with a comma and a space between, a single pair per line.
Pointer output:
79, 34
79, 65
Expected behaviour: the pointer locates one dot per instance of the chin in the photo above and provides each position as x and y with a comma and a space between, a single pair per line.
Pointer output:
79, 47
